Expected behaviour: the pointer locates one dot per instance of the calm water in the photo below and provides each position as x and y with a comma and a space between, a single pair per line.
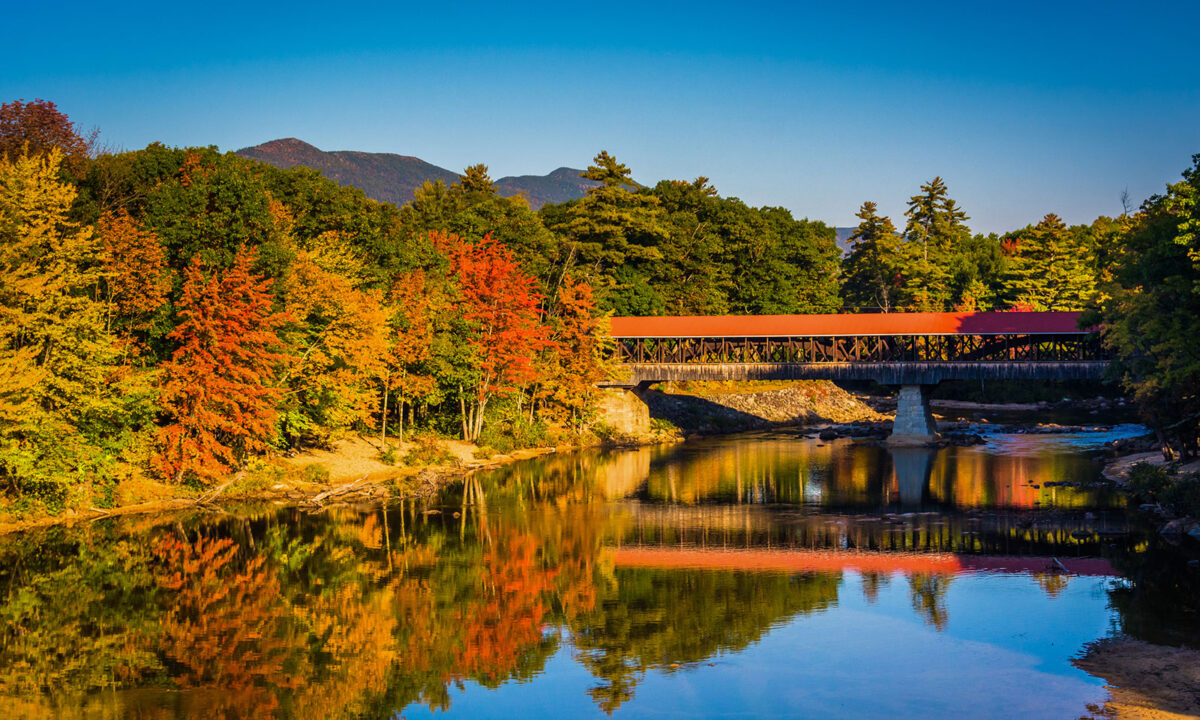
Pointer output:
753, 576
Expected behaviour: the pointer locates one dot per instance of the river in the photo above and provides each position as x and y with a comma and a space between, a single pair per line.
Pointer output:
758, 575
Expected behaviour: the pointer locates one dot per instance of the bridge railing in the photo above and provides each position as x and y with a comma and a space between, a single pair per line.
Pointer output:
874, 349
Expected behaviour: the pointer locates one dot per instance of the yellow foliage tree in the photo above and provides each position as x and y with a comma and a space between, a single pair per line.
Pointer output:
64, 390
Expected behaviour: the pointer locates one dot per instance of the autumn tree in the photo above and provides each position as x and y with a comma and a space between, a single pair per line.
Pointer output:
136, 279
409, 344
577, 359
501, 304
336, 337
63, 386
35, 128
218, 388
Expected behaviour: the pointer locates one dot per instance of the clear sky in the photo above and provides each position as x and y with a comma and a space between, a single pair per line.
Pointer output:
1024, 108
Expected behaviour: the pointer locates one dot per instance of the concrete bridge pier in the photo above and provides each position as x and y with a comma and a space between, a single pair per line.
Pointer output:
621, 408
914, 424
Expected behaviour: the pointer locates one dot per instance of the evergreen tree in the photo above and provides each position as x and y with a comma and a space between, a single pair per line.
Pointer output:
871, 268
1049, 268
610, 227
934, 232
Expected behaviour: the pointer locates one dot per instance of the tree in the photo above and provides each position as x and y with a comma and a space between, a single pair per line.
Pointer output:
336, 338
66, 388
1151, 312
933, 234
472, 208
577, 358
609, 228
871, 268
217, 389
35, 128
137, 280
501, 304
409, 345
1049, 267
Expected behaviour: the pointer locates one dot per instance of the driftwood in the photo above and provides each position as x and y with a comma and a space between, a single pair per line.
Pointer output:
212, 495
334, 492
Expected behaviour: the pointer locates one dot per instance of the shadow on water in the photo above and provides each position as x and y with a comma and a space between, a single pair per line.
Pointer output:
639, 567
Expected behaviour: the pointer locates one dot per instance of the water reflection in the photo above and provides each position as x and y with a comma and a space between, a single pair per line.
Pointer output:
635, 567
779, 468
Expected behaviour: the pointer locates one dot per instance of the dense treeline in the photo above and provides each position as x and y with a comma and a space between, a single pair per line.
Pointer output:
181, 311
936, 264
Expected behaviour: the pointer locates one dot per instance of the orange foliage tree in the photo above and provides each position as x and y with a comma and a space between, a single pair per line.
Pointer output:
409, 344
135, 265
217, 387
501, 304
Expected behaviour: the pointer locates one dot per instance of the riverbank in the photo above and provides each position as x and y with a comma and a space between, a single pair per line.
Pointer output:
359, 468
1147, 682
350, 471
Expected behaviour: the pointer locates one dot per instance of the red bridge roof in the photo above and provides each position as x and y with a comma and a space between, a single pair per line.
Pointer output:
967, 323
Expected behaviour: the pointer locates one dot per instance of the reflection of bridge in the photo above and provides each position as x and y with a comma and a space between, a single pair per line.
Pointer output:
912, 350
840, 560
1062, 534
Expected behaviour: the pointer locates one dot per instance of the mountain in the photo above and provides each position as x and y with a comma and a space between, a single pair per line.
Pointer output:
559, 186
843, 238
394, 178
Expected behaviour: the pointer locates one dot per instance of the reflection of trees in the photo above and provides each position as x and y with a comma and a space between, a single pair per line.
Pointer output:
77, 613
225, 625
1160, 601
928, 593
791, 470
872, 582
656, 618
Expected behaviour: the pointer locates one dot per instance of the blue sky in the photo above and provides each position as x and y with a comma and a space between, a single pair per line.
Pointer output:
1024, 108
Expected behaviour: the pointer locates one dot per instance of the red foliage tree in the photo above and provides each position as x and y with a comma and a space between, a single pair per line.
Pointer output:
34, 127
501, 303
217, 385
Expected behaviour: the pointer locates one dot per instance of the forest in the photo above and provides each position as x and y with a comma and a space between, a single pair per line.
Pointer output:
176, 312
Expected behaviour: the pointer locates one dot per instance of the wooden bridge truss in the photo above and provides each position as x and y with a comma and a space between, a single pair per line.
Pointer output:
1031, 348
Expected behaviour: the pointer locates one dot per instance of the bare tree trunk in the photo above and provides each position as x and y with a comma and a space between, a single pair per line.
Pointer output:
387, 382
400, 430
462, 406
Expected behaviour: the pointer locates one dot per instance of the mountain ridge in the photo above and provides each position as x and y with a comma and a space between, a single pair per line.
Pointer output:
394, 178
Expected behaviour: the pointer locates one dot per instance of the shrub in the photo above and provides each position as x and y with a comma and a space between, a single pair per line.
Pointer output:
1183, 496
426, 450
315, 473
387, 455
1147, 481
508, 434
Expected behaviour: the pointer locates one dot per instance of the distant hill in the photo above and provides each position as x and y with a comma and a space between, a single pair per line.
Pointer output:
394, 178
559, 186
843, 238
